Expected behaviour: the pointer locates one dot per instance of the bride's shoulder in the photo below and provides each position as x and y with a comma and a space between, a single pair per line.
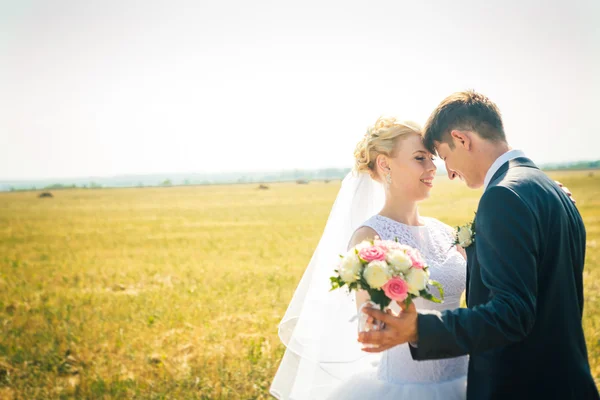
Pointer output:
364, 232
371, 225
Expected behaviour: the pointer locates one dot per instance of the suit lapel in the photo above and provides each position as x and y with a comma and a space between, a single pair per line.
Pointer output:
470, 265
471, 250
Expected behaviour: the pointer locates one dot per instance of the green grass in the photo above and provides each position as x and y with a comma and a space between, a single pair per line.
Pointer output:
177, 292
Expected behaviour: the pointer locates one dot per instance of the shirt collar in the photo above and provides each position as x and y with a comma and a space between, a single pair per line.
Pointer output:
504, 158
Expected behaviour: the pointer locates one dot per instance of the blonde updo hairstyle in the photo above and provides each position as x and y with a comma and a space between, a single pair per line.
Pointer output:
381, 138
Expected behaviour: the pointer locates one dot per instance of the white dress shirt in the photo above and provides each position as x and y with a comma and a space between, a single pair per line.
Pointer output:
509, 155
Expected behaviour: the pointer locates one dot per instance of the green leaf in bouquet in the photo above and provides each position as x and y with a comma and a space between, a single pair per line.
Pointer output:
363, 282
378, 297
439, 287
430, 297
336, 282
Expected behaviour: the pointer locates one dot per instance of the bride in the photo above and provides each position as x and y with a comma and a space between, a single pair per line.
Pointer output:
393, 172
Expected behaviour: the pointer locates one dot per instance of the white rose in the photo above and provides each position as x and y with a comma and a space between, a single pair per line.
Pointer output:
465, 236
350, 267
417, 280
362, 245
399, 260
377, 274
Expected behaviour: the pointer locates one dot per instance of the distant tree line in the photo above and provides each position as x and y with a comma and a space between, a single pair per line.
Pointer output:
573, 166
296, 175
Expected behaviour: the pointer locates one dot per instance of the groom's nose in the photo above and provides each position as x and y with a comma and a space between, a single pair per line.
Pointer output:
451, 174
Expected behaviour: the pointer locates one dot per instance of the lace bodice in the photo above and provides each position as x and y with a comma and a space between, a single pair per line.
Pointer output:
446, 265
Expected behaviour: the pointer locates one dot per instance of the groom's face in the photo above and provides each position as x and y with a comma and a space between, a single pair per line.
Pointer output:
458, 164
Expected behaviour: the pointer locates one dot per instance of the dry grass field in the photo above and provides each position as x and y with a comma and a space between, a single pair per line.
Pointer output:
177, 292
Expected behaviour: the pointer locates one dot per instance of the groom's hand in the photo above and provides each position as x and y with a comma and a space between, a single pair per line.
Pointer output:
398, 330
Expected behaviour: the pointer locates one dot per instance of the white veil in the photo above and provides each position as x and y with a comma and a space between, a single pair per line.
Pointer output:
316, 328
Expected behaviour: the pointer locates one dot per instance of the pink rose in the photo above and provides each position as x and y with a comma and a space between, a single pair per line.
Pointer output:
396, 289
387, 245
384, 245
415, 257
372, 253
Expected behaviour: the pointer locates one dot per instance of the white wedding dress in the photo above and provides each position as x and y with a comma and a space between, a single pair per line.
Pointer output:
397, 375
323, 359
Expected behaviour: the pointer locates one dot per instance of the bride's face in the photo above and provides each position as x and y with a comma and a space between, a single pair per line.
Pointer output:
412, 169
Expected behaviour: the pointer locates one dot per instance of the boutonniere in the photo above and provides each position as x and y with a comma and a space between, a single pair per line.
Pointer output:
465, 234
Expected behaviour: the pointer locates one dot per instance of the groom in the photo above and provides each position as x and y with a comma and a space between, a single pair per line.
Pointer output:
522, 328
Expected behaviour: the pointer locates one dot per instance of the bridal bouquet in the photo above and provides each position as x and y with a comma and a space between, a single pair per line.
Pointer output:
388, 271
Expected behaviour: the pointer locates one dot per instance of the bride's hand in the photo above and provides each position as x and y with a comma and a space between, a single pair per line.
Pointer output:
398, 329
366, 322
567, 191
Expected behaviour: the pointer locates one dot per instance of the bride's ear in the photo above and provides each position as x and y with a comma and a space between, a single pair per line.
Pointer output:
383, 164
461, 138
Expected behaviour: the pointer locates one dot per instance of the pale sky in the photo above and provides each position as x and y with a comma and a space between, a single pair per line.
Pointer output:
101, 88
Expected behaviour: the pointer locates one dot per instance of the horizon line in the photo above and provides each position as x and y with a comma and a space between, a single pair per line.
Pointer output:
141, 174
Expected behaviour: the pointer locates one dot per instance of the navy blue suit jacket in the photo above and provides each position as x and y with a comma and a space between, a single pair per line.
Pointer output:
522, 328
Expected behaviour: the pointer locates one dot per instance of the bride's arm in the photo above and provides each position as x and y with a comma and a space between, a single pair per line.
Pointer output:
362, 234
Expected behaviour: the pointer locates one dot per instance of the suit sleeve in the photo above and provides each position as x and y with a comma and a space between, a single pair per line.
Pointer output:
506, 245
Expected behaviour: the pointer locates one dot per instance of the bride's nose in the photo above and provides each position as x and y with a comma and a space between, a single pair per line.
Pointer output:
432, 166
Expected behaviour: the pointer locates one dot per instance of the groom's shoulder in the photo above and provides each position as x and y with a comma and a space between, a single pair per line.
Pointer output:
524, 185
521, 177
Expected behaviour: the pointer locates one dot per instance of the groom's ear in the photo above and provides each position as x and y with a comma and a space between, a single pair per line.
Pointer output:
461, 138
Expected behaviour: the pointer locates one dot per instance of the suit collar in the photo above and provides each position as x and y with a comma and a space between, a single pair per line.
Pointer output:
503, 158
515, 162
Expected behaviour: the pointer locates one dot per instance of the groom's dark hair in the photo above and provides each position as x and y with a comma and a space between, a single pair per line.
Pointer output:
469, 111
